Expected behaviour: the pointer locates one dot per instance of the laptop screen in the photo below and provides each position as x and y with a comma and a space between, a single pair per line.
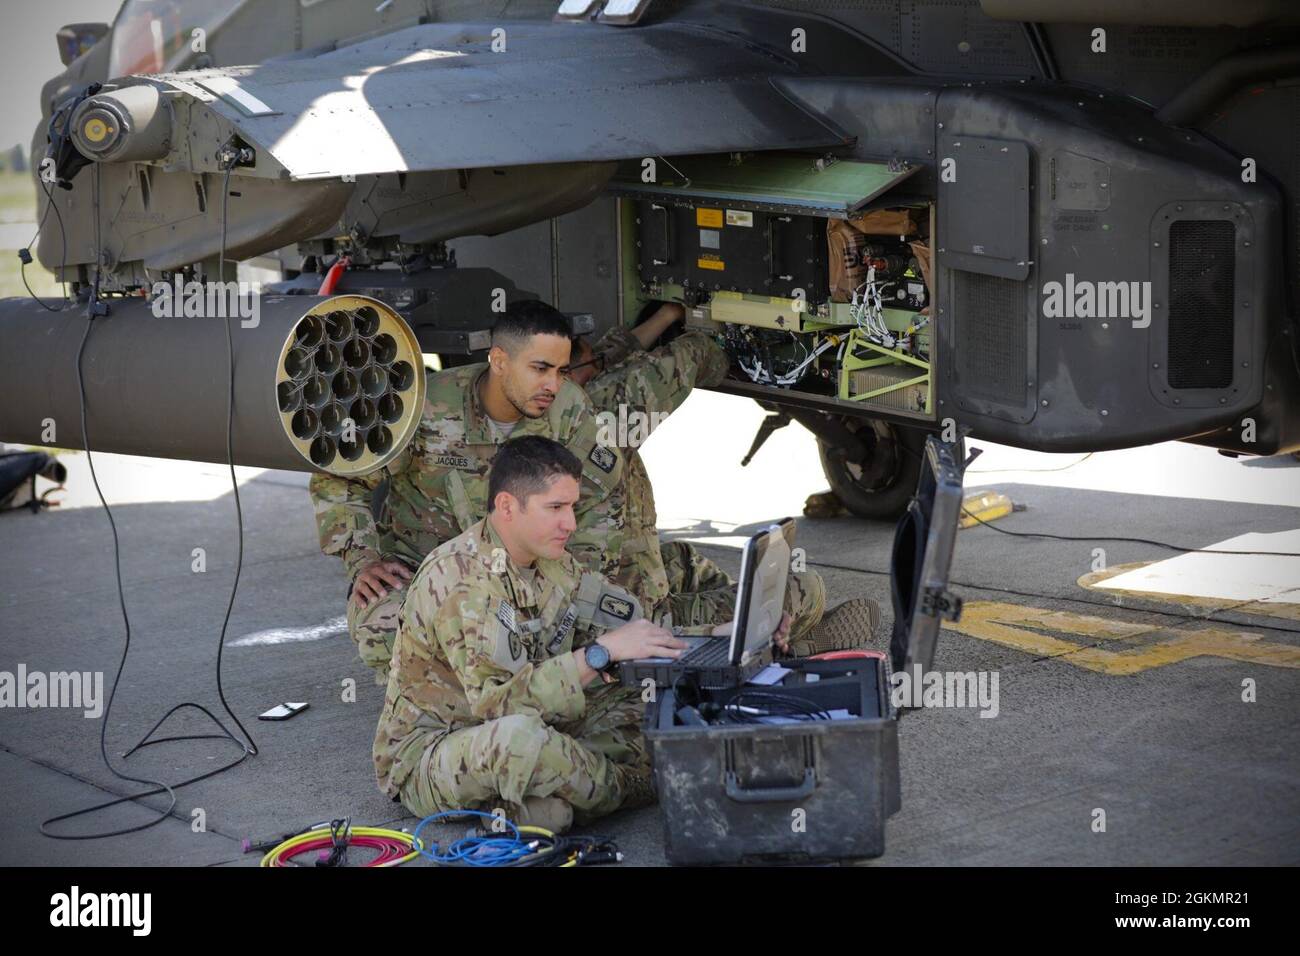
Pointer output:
760, 599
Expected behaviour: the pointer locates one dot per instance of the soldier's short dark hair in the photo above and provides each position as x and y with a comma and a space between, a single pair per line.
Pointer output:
526, 318
527, 465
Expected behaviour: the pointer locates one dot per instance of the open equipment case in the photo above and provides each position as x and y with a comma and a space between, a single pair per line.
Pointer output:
810, 789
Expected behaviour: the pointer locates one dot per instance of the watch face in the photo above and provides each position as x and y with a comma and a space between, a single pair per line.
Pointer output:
597, 657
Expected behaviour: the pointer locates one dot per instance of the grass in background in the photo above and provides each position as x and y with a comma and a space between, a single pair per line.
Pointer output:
38, 277
17, 197
18, 205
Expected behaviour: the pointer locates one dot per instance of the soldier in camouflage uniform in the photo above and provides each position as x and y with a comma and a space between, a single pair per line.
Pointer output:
437, 487
493, 699
622, 376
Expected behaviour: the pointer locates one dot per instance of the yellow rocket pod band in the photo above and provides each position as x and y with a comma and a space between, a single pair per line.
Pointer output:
350, 385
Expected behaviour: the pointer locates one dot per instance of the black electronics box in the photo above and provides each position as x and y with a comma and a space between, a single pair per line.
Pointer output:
712, 247
810, 789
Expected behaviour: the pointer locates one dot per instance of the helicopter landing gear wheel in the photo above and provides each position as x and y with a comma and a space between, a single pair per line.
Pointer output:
880, 484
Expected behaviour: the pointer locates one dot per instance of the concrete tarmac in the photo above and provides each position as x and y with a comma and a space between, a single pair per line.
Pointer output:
1176, 719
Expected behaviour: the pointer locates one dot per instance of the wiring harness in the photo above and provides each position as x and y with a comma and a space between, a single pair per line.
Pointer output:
755, 356
866, 306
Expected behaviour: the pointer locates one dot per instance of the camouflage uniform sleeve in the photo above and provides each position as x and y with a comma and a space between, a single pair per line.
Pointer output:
658, 382
475, 642
344, 519
616, 345
596, 542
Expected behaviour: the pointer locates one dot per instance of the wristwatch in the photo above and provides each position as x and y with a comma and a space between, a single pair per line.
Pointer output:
598, 658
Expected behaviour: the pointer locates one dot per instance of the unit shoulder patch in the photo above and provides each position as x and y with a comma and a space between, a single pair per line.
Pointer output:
603, 458
616, 607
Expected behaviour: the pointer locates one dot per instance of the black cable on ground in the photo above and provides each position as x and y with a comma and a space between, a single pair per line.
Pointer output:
230, 462
1087, 538
126, 648
1148, 541
1012, 592
249, 748
973, 586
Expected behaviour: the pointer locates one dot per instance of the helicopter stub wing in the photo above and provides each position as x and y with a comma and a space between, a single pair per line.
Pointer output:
461, 96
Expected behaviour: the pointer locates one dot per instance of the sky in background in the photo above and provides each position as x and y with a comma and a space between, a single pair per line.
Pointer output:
29, 57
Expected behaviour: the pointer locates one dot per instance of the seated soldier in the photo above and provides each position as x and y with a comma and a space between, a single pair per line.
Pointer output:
501, 692
437, 487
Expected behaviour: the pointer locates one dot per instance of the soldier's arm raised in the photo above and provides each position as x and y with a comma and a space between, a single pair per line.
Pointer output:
658, 382
650, 331
497, 680
619, 341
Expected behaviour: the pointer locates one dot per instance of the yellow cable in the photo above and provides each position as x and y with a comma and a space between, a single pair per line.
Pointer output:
272, 856
573, 857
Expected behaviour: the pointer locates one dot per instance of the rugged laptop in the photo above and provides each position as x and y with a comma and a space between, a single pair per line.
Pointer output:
729, 661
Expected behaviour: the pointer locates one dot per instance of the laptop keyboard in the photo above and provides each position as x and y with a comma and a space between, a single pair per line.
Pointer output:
710, 654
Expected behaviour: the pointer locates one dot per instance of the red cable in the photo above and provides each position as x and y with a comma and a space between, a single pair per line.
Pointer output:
389, 849
333, 275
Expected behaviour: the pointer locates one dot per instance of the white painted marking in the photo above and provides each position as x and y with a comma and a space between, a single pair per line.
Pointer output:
291, 635
1224, 576
229, 89
576, 8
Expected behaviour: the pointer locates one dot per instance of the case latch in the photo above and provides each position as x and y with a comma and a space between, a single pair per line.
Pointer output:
936, 602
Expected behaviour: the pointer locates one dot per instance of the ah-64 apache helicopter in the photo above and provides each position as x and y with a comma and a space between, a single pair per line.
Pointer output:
1057, 224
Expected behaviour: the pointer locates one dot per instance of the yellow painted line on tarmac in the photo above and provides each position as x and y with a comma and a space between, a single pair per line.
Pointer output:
1030, 630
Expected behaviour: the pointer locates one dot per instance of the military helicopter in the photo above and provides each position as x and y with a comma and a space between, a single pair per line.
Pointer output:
1063, 225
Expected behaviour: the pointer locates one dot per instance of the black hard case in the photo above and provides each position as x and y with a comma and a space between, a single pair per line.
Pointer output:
816, 790
813, 790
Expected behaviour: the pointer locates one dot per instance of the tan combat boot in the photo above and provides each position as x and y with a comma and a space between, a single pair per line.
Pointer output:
823, 504
638, 787
849, 626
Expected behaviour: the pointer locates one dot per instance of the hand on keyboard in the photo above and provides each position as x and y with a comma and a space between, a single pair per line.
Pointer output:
641, 639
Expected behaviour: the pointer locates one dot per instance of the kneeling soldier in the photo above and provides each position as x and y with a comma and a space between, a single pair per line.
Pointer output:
501, 691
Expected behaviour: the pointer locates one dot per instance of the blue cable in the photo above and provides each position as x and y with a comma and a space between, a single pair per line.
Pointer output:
475, 850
